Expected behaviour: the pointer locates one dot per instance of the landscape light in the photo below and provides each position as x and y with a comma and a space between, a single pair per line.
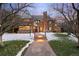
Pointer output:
40, 36
40, 40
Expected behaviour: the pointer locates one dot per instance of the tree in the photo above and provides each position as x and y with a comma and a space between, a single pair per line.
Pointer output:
0, 5
77, 23
7, 19
68, 13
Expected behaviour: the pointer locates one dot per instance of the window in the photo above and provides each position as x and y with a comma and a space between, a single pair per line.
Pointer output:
50, 28
55, 24
24, 27
50, 22
35, 24
41, 29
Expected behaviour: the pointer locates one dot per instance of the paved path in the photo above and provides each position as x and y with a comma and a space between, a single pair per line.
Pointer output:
39, 49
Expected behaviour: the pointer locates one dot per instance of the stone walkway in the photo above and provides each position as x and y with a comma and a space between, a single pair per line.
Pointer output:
39, 49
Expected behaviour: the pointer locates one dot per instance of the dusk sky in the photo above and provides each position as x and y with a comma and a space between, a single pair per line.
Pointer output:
39, 8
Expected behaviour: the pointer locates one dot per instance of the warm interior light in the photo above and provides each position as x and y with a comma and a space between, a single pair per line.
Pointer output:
40, 36
24, 27
41, 29
40, 40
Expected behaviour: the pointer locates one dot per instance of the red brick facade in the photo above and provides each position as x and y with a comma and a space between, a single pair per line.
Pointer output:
45, 24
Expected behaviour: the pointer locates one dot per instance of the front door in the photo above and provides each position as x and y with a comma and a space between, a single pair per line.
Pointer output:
41, 29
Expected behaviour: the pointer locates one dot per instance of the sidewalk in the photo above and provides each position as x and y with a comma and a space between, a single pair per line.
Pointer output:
39, 49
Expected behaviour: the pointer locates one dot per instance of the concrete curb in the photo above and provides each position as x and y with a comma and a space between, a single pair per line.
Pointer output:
26, 46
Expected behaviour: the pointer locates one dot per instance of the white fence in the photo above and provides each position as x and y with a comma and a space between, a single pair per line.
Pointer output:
28, 36
14, 36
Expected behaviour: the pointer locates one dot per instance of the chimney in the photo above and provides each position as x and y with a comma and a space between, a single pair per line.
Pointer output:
45, 14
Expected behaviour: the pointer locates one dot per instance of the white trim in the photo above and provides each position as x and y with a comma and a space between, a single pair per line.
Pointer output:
26, 46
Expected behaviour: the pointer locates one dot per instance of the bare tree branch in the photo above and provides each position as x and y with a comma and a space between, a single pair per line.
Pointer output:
74, 7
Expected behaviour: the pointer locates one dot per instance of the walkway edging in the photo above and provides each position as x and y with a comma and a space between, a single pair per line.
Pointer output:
26, 46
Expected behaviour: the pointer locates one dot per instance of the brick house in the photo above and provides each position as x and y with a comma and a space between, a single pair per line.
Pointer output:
44, 23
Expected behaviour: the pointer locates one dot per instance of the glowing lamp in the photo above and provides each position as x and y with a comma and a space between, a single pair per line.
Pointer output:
40, 40
40, 36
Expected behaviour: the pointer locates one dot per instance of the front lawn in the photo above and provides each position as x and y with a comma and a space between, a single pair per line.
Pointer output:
12, 47
62, 36
64, 46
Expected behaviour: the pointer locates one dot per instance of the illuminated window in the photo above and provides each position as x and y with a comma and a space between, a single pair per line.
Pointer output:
55, 24
35, 24
41, 29
24, 27
50, 28
26, 20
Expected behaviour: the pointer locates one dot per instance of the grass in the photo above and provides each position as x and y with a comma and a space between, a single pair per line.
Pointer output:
61, 36
64, 46
12, 47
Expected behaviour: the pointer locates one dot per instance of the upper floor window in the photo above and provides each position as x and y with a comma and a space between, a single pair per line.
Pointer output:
50, 22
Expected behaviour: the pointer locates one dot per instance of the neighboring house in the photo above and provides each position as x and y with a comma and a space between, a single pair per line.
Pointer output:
37, 24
